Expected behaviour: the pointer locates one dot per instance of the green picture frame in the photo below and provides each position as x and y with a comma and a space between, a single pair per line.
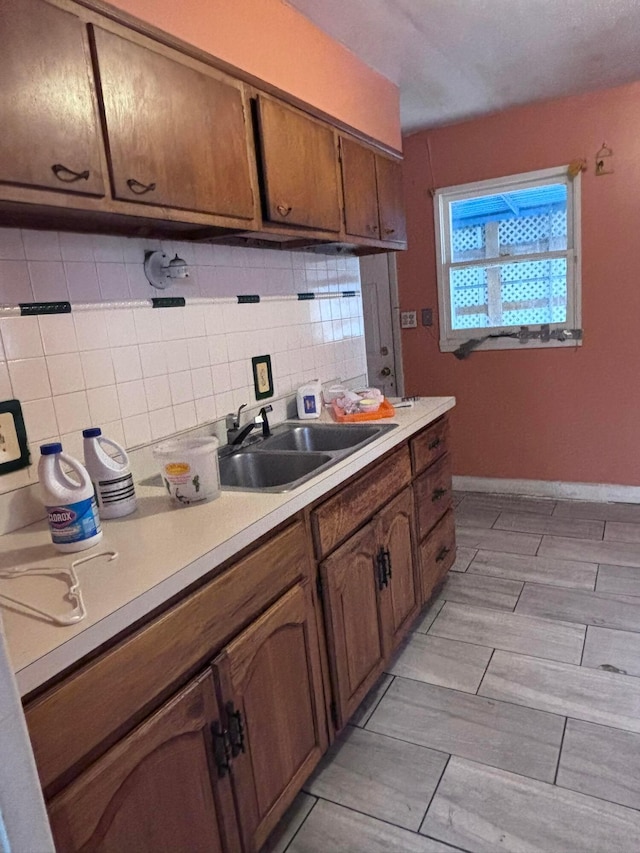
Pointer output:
262, 376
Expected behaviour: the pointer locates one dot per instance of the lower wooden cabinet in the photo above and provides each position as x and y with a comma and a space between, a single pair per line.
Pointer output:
215, 767
154, 791
371, 594
270, 685
172, 783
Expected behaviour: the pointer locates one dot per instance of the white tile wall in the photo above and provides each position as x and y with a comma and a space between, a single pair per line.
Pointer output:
142, 373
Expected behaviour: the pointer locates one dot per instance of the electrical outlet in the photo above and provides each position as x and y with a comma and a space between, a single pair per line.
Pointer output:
408, 319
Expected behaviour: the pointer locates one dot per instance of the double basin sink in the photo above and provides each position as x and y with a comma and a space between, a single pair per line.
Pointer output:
293, 454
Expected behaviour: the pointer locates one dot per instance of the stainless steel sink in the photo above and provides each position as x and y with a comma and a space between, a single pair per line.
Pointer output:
270, 472
320, 437
293, 454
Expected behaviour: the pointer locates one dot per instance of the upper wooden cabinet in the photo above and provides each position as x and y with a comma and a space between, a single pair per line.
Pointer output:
49, 137
111, 128
176, 136
372, 190
393, 226
299, 163
359, 188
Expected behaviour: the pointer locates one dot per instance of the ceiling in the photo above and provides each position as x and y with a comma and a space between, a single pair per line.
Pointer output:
454, 59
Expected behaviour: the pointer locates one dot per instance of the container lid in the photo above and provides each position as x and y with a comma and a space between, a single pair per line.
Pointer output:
92, 432
50, 449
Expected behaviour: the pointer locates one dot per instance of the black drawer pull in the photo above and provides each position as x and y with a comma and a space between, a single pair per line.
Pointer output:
435, 443
138, 188
442, 553
437, 494
60, 171
283, 210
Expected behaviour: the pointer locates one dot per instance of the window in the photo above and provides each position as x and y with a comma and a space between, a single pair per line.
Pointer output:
508, 257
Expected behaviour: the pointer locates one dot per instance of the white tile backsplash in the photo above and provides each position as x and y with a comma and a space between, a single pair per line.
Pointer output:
142, 373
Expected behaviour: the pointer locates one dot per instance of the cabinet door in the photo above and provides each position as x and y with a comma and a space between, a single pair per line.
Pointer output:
270, 683
437, 555
176, 136
152, 792
400, 598
359, 190
299, 168
49, 137
393, 227
351, 585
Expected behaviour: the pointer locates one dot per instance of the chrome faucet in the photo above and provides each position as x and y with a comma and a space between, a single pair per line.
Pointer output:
235, 435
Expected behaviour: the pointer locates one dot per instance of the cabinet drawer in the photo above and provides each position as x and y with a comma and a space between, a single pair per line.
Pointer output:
437, 554
433, 494
430, 445
336, 518
95, 706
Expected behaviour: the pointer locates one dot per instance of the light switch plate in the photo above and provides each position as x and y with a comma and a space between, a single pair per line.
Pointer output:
14, 450
408, 319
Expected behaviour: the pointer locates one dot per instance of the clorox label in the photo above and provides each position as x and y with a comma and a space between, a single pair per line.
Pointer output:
74, 522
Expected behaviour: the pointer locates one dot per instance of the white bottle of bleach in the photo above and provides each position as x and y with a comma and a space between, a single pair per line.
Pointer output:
112, 480
70, 503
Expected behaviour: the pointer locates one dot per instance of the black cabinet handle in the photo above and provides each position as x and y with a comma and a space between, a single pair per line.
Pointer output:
387, 564
442, 553
437, 494
221, 749
380, 569
389, 230
435, 443
68, 176
236, 729
139, 188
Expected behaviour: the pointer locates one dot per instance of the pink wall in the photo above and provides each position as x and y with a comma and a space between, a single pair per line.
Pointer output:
571, 415
276, 43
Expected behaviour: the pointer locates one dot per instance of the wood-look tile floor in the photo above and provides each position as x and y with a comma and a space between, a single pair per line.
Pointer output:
510, 719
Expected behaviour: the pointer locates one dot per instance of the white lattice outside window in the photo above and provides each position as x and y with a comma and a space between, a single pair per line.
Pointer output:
508, 257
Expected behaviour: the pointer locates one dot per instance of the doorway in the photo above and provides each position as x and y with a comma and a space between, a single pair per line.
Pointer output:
379, 285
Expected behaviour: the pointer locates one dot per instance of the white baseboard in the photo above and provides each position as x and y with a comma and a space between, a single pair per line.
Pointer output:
601, 492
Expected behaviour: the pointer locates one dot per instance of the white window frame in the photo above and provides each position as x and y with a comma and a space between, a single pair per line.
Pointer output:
451, 339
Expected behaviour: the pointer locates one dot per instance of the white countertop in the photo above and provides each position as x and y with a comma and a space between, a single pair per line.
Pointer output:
161, 551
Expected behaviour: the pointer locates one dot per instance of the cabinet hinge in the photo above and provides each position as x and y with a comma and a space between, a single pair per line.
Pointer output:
334, 713
221, 749
236, 729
